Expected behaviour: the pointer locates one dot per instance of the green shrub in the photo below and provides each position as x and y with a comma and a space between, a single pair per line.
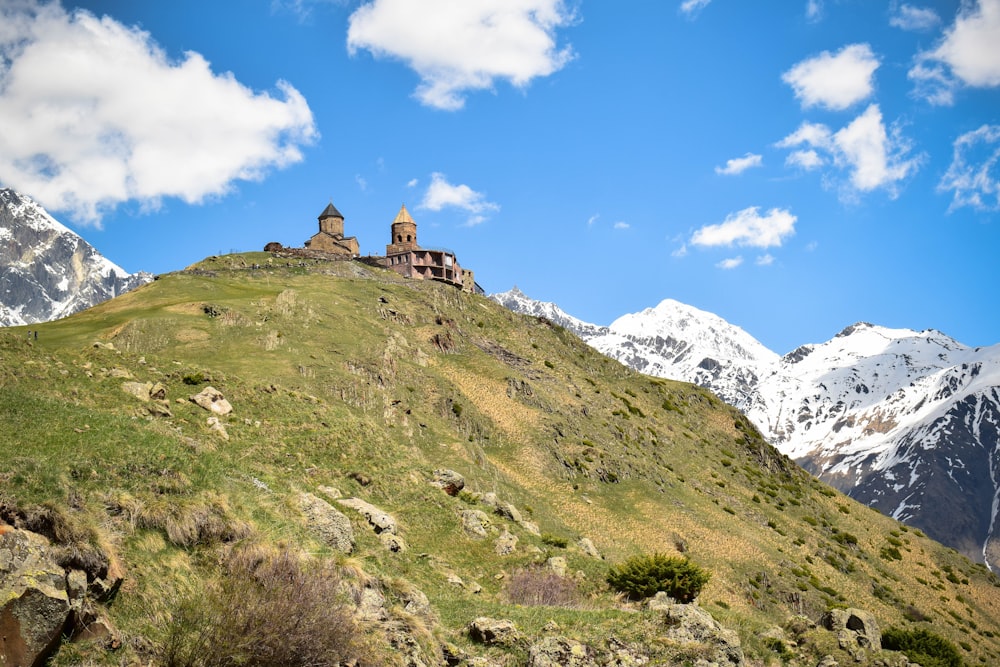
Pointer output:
555, 541
922, 646
644, 576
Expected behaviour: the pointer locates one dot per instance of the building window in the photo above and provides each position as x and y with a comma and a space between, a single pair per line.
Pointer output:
407, 238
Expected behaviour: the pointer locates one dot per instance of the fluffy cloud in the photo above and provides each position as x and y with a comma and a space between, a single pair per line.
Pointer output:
457, 47
748, 228
692, 7
103, 116
740, 164
834, 81
967, 55
814, 10
442, 194
875, 157
908, 17
622, 225
730, 263
974, 174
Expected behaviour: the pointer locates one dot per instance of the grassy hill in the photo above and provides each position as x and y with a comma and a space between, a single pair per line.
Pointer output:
346, 380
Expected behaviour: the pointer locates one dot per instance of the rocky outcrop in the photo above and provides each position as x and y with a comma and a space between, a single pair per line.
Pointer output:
494, 632
690, 624
381, 522
855, 628
328, 523
561, 652
40, 602
448, 481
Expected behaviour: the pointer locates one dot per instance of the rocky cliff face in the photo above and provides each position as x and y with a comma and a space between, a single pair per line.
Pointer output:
47, 271
901, 420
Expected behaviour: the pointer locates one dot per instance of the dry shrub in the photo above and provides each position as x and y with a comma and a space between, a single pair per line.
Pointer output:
536, 586
267, 610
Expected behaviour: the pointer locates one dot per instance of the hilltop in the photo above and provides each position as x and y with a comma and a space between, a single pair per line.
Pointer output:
436, 451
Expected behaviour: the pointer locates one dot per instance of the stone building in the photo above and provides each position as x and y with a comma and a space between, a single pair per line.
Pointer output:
404, 256
330, 237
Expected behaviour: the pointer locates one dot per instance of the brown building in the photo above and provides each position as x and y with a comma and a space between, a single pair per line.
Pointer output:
408, 259
330, 237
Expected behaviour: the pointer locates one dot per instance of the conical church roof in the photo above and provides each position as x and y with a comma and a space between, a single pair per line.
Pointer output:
403, 216
330, 211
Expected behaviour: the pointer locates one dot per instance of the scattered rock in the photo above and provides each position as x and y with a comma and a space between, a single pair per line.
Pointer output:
218, 427
560, 652
448, 481
36, 610
506, 544
381, 522
494, 632
328, 523
98, 345
585, 545
212, 399
688, 623
120, 373
557, 564
392, 542
855, 628
139, 390
475, 523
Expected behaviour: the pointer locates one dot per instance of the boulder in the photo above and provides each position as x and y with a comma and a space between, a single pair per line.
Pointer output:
506, 544
140, 390
585, 545
561, 652
690, 624
475, 523
380, 521
558, 565
448, 481
212, 400
332, 527
35, 608
855, 628
492, 631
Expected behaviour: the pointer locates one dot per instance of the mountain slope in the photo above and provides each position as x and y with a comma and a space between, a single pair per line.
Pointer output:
351, 384
46, 270
901, 420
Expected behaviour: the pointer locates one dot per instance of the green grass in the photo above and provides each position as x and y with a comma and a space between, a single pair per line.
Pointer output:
334, 378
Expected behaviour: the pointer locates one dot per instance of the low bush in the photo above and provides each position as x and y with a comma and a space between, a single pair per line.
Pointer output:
535, 586
267, 610
644, 576
922, 646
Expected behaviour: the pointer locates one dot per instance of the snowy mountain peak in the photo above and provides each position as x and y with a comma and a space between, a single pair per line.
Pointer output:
905, 421
46, 270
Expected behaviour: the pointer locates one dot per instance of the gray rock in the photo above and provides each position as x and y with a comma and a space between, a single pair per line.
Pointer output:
380, 521
855, 628
560, 652
36, 608
585, 545
557, 564
688, 623
475, 523
332, 527
506, 544
449, 481
212, 400
492, 631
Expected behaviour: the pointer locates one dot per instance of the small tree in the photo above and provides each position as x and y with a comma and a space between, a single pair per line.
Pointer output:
644, 576
922, 646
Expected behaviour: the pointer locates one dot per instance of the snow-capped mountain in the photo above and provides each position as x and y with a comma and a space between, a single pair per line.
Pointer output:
46, 270
905, 421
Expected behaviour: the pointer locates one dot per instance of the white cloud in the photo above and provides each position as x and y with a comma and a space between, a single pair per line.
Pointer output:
974, 173
682, 251
873, 156
412, 183
622, 225
806, 160
103, 116
362, 182
456, 47
967, 55
748, 228
765, 260
814, 10
730, 263
442, 194
693, 7
908, 17
834, 81
740, 164
592, 219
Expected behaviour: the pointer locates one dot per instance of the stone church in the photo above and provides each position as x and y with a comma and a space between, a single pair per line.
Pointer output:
330, 237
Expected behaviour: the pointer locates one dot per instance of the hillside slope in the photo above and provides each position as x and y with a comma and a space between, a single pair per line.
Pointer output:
348, 382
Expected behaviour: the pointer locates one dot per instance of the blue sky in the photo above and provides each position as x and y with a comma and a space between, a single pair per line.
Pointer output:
793, 167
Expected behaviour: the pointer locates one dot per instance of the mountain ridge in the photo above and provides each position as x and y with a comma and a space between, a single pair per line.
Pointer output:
47, 271
870, 411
